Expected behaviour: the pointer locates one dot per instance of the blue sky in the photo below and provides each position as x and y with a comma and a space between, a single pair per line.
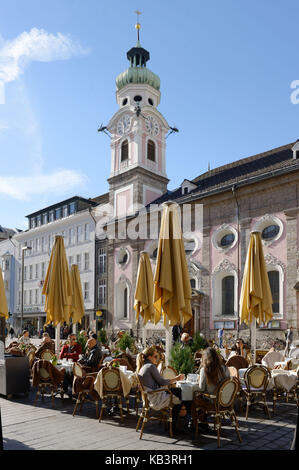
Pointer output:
226, 70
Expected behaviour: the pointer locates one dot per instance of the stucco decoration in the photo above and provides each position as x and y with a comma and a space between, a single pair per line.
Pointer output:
219, 233
265, 221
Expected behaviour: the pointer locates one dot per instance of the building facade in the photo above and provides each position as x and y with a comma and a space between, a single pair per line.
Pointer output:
73, 220
255, 193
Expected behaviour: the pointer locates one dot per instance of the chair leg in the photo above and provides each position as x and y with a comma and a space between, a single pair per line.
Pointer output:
266, 406
247, 406
139, 420
104, 404
170, 423
143, 423
97, 408
52, 397
128, 405
218, 427
234, 419
121, 409
77, 403
36, 397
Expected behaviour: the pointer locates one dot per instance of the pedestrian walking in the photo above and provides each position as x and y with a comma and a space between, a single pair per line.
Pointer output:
289, 340
220, 337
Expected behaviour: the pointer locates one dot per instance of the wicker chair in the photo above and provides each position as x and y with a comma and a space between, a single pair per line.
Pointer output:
112, 388
238, 362
83, 385
47, 355
148, 413
169, 373
256, 380
234, 372
45, 382
222, 405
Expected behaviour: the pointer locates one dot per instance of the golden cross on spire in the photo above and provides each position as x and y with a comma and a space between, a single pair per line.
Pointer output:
138, 26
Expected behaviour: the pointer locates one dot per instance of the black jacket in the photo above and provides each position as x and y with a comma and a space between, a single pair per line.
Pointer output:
93, 358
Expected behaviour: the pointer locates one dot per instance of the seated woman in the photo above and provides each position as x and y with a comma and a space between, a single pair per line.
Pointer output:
152, 380
241, 349
212, 372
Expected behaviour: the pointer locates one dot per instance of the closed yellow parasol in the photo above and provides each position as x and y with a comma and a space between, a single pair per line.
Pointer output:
3, 301
77, 308
172, 290
57, 286
256, 297
143, 303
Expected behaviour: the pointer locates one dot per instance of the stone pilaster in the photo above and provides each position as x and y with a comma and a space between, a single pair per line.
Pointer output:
291, 277
205, 282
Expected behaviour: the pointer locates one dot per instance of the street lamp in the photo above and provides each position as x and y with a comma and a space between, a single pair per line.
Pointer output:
24, 248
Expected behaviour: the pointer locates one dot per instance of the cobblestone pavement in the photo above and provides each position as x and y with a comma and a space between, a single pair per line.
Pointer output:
44, 428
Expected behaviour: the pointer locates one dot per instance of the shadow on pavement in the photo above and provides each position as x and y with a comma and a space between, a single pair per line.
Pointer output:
12, 444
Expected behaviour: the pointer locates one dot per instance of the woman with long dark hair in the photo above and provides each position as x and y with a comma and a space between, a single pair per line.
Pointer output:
212, 372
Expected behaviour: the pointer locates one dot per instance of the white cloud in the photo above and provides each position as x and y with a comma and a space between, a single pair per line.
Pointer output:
35, 45
15, 55
24, 188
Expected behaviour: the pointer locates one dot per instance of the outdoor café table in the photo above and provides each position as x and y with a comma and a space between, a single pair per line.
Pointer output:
285, 379
127, 382
187, 388
68, 366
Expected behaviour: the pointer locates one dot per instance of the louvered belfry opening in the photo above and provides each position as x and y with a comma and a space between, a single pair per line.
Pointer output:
124, 151
151, 151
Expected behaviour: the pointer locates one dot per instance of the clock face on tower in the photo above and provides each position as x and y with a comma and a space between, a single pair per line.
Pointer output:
152, 125
123, 124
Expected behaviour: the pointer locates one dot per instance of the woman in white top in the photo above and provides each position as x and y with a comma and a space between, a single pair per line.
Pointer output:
212, 372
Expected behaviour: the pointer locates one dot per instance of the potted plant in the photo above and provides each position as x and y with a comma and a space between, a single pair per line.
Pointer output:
102, 336
126, 341
181, 359
82, 340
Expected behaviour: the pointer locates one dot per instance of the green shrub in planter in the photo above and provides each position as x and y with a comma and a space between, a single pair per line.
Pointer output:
198, 342
181, 359
126, 342
102, 336
82, 341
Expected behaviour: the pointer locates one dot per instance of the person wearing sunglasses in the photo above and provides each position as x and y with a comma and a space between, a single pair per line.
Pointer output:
152, 380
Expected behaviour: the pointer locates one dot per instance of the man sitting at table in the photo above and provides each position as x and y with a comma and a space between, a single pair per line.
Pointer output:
91, 360
47, 343
71, 350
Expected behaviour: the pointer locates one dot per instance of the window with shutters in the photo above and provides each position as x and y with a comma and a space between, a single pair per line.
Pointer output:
274, 285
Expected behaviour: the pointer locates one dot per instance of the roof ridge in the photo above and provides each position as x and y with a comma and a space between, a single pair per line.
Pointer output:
242, 161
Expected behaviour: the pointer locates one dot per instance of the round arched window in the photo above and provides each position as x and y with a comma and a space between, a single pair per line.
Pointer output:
227, 240
125, 101
270, 232
137, 98
151, 102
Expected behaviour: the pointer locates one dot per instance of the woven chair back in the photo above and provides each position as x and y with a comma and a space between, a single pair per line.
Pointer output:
47, 355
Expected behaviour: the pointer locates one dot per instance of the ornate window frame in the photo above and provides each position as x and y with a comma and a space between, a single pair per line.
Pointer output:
219, 233
122, 283
274, 264
225, 268
120, 254
265, 221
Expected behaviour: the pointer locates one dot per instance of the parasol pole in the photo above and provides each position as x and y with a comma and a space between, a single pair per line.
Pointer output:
253, 338
57, 338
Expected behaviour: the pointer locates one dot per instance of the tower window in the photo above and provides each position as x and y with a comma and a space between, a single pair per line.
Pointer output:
151, 102
125, 101
137, 98
151, 151
124, 151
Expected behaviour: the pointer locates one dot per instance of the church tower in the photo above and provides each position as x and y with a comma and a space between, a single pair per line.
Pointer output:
138, 131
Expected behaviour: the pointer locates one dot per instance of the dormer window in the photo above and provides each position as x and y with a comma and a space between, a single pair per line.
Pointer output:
124, 151
151, 151
186, 190
187, 186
